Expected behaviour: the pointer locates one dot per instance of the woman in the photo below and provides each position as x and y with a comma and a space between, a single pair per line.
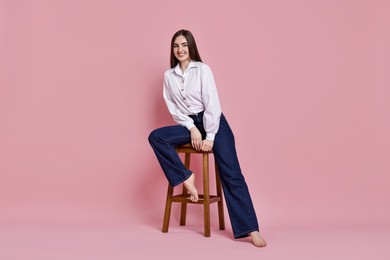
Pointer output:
192, 99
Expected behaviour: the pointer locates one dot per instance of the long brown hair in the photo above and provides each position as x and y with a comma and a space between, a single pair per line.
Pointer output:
193, 50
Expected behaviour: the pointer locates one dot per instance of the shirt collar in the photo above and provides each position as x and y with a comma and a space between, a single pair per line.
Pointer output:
192, 64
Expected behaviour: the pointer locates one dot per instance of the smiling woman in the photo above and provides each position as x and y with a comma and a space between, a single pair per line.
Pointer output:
180, 50
192, 98
183, 49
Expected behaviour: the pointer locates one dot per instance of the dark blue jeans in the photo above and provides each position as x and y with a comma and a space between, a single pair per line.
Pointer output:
239, 203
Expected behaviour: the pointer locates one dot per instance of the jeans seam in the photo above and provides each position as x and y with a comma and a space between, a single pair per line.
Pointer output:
170, 151
176, 162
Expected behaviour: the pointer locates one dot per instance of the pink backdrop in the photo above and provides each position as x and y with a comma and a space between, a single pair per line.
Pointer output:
304, 84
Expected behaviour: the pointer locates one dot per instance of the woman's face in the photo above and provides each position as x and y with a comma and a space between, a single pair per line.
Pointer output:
180, 49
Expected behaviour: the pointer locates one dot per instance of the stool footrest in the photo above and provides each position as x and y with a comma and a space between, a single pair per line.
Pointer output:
186, 199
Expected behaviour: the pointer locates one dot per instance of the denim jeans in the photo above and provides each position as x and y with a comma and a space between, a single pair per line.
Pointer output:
239, 203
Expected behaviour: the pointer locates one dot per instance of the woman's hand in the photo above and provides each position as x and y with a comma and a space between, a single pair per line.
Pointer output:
196, 138
206, 145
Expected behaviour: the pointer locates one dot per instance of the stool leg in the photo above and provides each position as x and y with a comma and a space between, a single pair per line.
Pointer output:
220, 202
206, 195
183, 210
168, 206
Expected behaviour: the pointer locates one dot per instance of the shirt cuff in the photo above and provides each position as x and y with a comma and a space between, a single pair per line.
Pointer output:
210, 136
189, 125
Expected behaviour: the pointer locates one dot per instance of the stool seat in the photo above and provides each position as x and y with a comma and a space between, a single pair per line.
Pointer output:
187, 148
205, 199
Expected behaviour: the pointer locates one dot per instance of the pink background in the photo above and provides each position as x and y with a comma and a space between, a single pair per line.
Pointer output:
304, 84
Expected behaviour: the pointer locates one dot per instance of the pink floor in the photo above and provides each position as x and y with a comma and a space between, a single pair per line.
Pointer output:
78, 240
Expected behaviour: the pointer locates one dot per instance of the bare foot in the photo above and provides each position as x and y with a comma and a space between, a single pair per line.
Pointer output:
257, 240
190, 186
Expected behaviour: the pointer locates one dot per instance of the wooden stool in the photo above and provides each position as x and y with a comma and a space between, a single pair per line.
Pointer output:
205, 199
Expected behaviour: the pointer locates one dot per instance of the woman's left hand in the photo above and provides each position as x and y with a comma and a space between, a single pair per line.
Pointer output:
206, 145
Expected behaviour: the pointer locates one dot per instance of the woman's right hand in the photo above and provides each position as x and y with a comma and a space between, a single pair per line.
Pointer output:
196, 138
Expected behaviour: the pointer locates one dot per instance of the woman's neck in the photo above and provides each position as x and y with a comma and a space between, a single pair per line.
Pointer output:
184, 65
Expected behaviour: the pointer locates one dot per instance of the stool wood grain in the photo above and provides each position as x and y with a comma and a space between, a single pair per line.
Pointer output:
205, 199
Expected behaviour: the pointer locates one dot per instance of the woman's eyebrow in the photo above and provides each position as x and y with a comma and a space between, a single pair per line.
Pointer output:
176, 44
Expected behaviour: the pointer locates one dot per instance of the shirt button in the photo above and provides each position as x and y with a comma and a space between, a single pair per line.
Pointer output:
182, 89
188, 105
182, 80
184, 98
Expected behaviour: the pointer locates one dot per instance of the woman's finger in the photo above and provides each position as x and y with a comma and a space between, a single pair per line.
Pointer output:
194, 144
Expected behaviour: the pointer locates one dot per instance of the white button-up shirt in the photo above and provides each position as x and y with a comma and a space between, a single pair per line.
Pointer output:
190, 92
